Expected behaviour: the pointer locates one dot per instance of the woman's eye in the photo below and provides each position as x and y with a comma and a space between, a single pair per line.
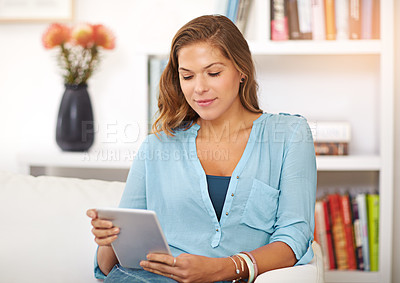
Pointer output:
187, 77
214, 74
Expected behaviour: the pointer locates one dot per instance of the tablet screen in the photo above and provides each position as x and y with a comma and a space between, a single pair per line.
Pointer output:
140, 234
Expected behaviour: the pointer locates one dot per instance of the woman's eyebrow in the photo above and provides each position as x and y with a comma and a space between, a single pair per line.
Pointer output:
205, 68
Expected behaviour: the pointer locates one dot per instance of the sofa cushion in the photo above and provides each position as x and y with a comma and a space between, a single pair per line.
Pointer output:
46, 235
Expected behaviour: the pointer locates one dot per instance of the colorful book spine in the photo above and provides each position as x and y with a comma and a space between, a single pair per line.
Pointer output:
329, 239
338, 232
320, 231
348, 229
243, 14
293, 19
330, 24
342, 19
355, 19
357, 235
376, 19
366, 19
279, 20
318, 19
373, 230
362, 211
304, 17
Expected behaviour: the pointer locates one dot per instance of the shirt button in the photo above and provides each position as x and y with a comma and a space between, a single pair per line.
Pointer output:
217, 229
232, 194
227, 213
237, 177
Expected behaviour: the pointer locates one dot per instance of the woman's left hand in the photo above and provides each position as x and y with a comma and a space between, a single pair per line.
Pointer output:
184, 268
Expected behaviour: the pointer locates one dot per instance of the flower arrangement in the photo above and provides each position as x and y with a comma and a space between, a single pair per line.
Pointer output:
79, 48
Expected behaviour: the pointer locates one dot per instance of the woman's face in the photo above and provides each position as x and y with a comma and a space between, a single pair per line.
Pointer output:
209, 81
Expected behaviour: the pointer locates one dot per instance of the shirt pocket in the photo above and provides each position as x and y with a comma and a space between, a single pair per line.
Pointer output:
260, 210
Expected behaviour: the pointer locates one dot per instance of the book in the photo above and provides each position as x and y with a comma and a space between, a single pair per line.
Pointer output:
348, 229
373, 230
357, 235
279, 20
338, 232
320, 232
376, 19
232, 9
355, 19
342, 19
243, 14
330, 23
304, 17
362, 212
366, 19
318, 19
329, 239
331, 148
293, 19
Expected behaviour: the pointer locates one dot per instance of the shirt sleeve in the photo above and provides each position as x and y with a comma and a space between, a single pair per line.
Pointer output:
295, 215
134, 195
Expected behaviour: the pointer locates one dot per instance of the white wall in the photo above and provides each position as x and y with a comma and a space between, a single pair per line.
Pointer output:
31, 87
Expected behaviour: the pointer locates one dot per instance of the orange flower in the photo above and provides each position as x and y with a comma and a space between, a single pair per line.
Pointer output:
82, 35
103, 37
55, 35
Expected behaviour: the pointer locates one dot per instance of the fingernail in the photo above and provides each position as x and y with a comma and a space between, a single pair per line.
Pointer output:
116, 230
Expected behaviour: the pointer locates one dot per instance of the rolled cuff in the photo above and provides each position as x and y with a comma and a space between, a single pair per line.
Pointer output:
301, 247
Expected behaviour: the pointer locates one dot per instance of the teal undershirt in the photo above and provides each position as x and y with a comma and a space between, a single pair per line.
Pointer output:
217, 188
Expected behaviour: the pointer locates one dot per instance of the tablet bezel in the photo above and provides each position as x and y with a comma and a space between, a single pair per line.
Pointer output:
128, 251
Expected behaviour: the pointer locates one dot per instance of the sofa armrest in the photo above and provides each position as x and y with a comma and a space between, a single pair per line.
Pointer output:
312, 272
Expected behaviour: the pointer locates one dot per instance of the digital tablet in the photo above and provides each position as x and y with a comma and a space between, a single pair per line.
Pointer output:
140, 234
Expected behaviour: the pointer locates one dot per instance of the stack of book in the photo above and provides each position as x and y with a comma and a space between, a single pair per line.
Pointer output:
331, 137
325, 19
347, 228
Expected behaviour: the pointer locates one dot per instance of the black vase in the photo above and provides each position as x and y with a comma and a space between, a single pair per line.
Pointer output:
75, 127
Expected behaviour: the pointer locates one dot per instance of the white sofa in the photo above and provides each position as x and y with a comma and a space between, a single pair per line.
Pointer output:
45, 233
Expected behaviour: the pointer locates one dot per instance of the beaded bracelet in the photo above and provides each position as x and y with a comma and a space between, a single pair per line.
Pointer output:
254, 263
250, 266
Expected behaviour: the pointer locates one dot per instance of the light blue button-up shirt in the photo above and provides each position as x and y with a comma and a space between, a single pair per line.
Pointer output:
271, 195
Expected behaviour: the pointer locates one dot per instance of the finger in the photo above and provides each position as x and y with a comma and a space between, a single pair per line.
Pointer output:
100, 223
105, 241
92, 213
163, 258
102, 233
170, 275
161, 267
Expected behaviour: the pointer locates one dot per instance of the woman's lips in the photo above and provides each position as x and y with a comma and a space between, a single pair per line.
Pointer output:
205, 102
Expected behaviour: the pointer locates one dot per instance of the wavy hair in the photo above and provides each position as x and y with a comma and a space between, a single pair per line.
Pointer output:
173, 109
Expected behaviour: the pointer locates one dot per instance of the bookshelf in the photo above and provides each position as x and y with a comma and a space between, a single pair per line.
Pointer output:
361, 77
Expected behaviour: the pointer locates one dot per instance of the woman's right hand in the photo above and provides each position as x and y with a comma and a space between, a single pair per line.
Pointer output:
103, 230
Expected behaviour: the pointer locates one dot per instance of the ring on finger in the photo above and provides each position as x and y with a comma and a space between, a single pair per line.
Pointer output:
173, 264
171, 275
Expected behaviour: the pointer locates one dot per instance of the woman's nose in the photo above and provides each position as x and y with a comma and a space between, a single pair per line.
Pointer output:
201, 85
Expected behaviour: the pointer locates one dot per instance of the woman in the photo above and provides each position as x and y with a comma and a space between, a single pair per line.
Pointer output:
223, 177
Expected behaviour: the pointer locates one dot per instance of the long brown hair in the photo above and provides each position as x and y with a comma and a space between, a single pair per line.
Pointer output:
220, 32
